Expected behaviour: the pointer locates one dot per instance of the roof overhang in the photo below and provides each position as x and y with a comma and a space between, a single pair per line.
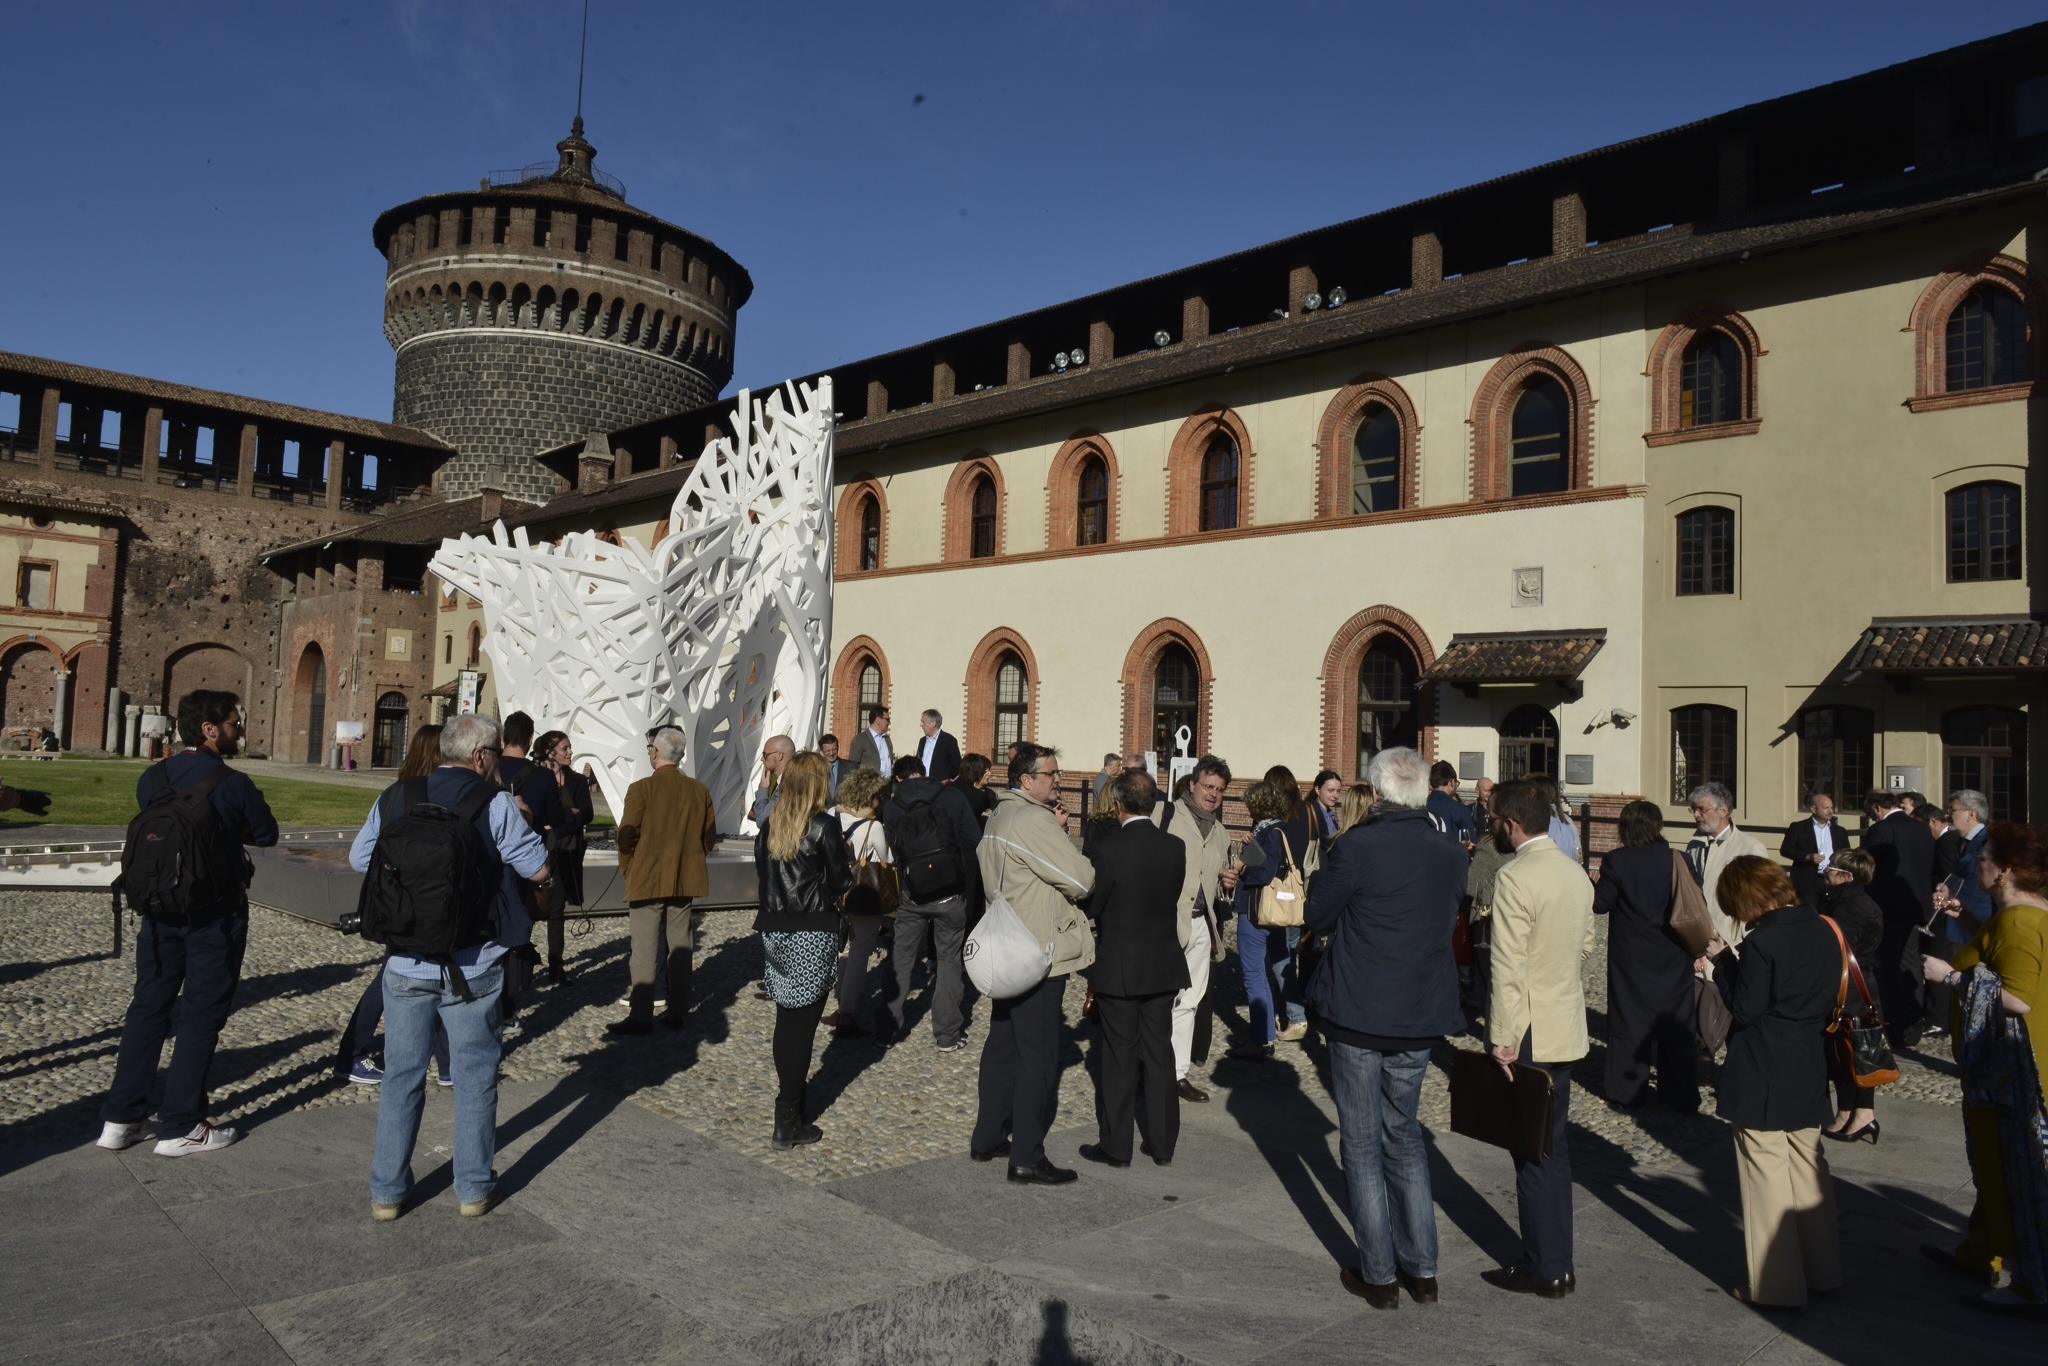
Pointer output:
1517, 659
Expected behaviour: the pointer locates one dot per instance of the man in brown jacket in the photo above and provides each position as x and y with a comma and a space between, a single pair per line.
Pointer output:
666, 831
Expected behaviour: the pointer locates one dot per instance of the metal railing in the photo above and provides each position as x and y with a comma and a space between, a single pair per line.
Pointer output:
545, 170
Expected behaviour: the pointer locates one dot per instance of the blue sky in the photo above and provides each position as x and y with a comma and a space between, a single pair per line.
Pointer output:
193, 184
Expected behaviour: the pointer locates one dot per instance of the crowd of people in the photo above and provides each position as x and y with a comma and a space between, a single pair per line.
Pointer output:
1380, 920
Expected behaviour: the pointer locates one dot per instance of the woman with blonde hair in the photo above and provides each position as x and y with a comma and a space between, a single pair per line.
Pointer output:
1356, 806
860, 793
804, 872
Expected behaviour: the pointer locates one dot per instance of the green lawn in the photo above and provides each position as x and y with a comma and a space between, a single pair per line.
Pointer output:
103, 793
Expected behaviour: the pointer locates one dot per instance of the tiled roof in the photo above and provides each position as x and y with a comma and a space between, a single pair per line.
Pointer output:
424, 523
50, 502
1517, 656
1951, 645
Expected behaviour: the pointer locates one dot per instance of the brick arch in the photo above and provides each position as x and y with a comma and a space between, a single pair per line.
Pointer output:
1184, 468
1140, 662
846, 686
1493, 415
977, 726
1667, 361
28, 695
1063, 489
1340, 683
1339, 428
1929, 324
959, 507
848, 522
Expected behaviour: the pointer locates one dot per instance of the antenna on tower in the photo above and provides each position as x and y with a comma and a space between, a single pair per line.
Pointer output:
582, 46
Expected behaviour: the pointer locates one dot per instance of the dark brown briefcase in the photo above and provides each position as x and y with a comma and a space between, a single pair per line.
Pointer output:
1516, 1115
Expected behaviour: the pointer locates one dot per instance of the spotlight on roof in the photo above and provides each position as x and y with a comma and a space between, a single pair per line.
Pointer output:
1059, 360
1161, 338
1313, 302
1278, 314
1078, 356
979, 387
1338, 296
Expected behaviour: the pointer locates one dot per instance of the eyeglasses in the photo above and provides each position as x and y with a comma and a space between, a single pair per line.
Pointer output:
1043, 773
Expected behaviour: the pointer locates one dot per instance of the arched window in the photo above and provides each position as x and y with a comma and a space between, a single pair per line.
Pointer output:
870, 533
448, 648
1983, 532
1376, 462
1706, 551
1987, 342
1703, 745
1091, 516
1985, 748
981, 543
1386, 700
870, 693
1013, 702
1219, 484
1528, 743
1710, 381
1836, 753
1176, 699
1539, 443
393, 720
476, 644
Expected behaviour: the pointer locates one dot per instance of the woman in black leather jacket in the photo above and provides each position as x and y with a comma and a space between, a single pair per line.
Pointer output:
804, 872
1847, 901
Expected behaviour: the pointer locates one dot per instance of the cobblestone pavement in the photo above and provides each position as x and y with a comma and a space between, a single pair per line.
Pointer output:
62, 997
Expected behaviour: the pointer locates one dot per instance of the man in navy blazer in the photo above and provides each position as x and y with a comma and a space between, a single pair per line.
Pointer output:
1811, 844
939, 750
1138, 969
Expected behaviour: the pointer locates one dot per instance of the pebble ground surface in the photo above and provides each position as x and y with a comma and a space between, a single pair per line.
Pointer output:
62, 997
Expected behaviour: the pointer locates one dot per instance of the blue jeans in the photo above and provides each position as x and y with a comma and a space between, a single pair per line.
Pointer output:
412, 1006
1386, 1166
1270, 989
185, 980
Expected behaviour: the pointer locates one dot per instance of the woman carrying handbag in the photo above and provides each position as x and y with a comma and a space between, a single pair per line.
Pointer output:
1859, 922
870, 901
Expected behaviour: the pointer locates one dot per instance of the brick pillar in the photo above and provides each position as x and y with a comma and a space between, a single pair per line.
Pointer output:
1194, 317
593, 472
1301, 282
337, 451
1567, 224
669, 447
46, 434
1101, 342
945, 383
88, 697
245, 462
1017, 363
878, 398
1425, 260
152, 442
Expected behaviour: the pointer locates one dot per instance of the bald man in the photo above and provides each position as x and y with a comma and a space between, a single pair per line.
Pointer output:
776, 752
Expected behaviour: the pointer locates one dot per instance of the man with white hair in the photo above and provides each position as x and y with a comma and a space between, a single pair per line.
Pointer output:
937, 750
1717, 844
1385, 902
1965, 904
665, 832
462, 990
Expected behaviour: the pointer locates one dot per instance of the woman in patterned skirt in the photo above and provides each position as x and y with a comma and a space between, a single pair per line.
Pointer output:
805, 871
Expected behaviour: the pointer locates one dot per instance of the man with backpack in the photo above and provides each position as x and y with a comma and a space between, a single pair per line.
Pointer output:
184, 872
933, 831
444, 858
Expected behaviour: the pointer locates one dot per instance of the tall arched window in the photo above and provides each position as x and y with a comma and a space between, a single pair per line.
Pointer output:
476, 645
448, 648
1836, 753
1710, 381
1539, 443
1176, 698
981, 544
1528, 743
1706, 551
1013, 702
1376, 462
1985, 748
1983, 532
1219, 484
1386, 700
1091, 514
870, 692
1703, 745
870, 533
1987, 342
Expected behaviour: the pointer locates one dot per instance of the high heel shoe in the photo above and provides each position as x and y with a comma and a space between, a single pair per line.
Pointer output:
1867, 1134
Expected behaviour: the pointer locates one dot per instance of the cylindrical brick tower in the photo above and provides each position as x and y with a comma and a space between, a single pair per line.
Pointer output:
541, 307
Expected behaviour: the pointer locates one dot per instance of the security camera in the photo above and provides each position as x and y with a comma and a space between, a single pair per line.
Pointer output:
1622, 719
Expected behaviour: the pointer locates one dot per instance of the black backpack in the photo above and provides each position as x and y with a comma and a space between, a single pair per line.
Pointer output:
174, 863
433, 878
926, 853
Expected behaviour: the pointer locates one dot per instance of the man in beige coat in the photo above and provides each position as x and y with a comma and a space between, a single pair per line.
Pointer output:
1197, 821
664, 834
1536, 1018
1717, 844
1028, 860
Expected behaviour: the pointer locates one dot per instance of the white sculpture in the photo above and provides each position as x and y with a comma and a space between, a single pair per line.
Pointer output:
720, 629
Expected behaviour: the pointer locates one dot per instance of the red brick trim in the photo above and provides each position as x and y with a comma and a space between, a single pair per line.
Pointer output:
1667, 361
31, 638
1339, 428
1184, 469
1929, 324
1493, 414
1340, 683
845, 707
978, 725
1063, 489
847, 525
959, 508
1140, 664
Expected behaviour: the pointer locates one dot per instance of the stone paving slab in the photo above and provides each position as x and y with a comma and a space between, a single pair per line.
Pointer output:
233, 1338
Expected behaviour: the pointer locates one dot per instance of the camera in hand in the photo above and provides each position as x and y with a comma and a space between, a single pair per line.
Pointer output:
351, 922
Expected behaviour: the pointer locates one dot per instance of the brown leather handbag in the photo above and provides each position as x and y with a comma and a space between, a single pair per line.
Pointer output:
1858, 1048
1687, 919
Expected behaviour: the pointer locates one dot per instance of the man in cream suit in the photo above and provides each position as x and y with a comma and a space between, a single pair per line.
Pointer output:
1542, 931
1716, 845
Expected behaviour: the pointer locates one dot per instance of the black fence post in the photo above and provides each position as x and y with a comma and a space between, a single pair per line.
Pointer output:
117, 922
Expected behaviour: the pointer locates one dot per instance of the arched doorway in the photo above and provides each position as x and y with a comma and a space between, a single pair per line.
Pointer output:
1387, 714
29, 683
1176, 700
394, 725
204, 666
309, 691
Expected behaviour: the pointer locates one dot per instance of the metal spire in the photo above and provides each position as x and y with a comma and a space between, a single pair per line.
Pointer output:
582, 46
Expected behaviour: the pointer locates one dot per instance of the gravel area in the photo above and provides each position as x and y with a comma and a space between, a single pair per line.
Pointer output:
62, 997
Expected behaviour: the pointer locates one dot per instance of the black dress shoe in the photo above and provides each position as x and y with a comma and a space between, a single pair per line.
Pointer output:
1044, 1174
1943, 1257
1093, 1152
990, 1154
1421, 1289
629, 1025
1522, 1282
1192, 1093
674, 1019
1145, 1147
1386, 1296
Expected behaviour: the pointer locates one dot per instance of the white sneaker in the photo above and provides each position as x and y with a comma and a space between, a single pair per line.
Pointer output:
205, 1138
114, 1137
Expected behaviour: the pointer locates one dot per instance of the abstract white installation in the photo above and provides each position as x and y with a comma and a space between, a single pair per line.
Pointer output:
721, 628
